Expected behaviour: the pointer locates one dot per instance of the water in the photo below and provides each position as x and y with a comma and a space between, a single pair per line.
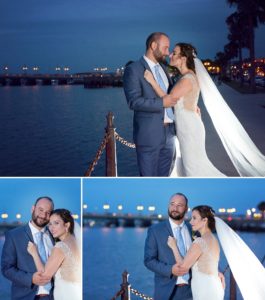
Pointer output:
110, 251
56, 130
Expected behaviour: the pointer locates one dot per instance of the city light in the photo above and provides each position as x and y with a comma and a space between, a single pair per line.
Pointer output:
159, 216
75, 216
18, 216
106, 206
84, 206
120, 207
221, 210
4, 216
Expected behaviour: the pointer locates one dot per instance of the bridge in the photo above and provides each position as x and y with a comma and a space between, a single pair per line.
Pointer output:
89, 80
129, 220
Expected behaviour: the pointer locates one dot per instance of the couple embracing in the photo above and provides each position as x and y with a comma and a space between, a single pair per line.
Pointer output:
163, 110
186, 269
43, 258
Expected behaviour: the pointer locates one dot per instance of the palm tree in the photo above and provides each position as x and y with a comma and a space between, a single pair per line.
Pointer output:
261, 207
239, 36
253, 11
221, 60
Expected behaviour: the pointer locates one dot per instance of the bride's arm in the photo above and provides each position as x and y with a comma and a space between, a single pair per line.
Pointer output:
53, 263
190, 258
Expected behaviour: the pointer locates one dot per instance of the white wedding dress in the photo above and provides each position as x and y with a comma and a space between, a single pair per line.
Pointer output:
191, 137
67, 280
205, 283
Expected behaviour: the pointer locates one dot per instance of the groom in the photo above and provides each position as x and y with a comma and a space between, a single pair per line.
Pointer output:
153, 124
159, 258
17, 264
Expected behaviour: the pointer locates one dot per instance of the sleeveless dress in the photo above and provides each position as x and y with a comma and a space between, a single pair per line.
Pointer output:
191, 137
67, 280
205, 283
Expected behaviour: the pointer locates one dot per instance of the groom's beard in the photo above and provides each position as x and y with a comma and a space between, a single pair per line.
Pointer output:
177, 216
40, 222
160, 57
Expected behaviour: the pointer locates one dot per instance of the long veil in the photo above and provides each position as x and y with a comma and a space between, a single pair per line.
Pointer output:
78, 235
248, 272
245, 156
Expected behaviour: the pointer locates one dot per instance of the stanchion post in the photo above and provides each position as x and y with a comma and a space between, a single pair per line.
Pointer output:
232, 287
125, 286
111, 157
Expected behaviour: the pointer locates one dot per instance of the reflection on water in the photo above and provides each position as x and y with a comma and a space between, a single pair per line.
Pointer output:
110, 251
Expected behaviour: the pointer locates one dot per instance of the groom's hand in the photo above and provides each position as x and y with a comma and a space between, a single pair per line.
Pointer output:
168, 101
178, 270
39, 279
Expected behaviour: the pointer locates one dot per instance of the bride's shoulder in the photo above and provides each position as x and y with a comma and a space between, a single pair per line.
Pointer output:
201, 242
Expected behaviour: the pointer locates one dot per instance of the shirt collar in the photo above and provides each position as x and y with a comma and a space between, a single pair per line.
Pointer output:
174, 225
150, 62
35, 230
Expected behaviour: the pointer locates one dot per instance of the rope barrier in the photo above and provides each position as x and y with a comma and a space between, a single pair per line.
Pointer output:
123, 141
98, 155
140, 295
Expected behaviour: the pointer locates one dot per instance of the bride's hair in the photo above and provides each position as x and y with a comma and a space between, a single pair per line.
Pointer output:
189, 52
66, 217
206, 211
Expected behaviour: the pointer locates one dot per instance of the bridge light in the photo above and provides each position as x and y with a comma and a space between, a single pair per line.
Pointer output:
140, 207
120, 207
4, 216
106, 206
18, 216
75, 216
151, 208
84, 206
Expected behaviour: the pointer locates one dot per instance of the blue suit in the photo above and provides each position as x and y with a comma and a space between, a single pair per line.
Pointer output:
155, 143
17, 264
159, 258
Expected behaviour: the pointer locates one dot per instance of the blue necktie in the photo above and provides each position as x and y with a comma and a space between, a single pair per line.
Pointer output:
181, 247
42, 253
161, 83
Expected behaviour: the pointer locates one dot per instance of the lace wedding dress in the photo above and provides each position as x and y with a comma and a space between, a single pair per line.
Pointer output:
191, 137
205, 283
67, 281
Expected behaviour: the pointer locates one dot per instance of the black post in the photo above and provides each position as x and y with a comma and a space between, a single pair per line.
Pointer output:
125, 286
111, 159
232, 287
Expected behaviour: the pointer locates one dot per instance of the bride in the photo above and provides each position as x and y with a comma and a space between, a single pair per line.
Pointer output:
246, 158
64, 263
203, 257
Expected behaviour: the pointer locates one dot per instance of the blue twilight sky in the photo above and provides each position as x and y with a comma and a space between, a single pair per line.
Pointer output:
84, 34
18, 195
241, 194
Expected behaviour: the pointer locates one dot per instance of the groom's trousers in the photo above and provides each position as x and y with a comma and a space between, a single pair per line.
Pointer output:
181, 292
157, 161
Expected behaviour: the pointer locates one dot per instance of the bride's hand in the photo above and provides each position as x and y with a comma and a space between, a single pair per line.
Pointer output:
171, 242
32, 249
222, 278
149, 76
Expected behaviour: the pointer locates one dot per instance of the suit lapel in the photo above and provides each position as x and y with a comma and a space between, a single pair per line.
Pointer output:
29, 233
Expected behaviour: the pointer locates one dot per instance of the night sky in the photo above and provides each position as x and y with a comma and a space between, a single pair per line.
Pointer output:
239, 193
84, 34
18, 195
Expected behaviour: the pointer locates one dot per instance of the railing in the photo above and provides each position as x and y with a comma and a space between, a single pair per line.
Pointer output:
109, 143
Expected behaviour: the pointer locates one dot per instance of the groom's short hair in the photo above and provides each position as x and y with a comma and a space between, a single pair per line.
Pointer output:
45, 197
153, 37
180, 194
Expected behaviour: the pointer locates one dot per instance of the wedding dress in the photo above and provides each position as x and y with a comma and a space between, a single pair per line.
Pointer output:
191, 137
67, 280
205, 283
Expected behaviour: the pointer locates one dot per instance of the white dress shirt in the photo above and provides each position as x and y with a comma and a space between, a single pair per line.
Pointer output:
48, 247
152, 65
187, 241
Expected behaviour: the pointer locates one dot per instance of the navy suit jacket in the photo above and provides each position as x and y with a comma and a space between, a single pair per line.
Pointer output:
148, 129
159, 258
17, 264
